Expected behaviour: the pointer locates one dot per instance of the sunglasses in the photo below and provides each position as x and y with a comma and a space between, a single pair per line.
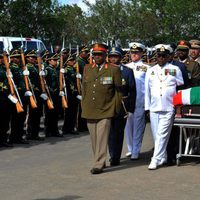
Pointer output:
162, 55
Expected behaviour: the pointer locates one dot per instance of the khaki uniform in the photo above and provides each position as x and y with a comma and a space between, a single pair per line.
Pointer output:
193, 69
101, 97
101, 101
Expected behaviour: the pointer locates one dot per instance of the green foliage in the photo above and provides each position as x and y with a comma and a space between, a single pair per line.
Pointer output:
149, 21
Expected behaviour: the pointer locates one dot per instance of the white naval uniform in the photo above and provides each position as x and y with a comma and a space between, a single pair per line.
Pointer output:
135, 124
160, 87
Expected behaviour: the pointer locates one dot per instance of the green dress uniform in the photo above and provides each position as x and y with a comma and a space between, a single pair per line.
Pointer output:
71, 111
82, 123
35, 114
18, 119
101, 100
5, 105
51, 116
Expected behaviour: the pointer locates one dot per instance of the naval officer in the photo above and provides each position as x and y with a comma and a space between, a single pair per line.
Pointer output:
135, 124
160, 87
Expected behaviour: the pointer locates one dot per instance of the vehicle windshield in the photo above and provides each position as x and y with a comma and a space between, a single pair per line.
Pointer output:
28, 45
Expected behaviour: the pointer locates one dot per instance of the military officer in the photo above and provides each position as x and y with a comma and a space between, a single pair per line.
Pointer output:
52, 79
160, 87
192, 67
5, 104
34, 115
101, 101
195, 50
18, 119
135, 124
72, 94
128, 91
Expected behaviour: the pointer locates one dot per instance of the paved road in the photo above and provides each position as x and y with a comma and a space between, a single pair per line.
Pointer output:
58, 169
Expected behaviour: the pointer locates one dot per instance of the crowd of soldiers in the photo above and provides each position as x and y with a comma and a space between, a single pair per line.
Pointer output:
49, 84
35, 85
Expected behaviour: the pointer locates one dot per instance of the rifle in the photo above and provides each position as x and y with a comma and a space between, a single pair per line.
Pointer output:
13, 88
78, 82
62, 84
28, 82
43, 84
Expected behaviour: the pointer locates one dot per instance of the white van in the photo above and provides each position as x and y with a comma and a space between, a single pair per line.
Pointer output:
15, 42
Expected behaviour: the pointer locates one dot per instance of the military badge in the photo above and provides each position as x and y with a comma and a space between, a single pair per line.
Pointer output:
106, 80
152, 73
123, 82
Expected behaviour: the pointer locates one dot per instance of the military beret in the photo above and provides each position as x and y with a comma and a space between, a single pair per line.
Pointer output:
182, 44
195, 44
115, 51
99, 48
30, 53
136, 46
163, 49
15, 53
52, 56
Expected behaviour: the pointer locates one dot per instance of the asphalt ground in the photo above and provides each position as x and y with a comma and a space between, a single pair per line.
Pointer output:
58, 169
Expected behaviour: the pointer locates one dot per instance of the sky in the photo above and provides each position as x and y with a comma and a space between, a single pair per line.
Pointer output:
78, 2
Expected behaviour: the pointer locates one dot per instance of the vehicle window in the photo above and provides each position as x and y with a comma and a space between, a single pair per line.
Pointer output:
28, 45
1, 45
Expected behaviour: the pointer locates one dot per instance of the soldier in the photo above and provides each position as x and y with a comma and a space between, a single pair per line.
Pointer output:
18, 119
52, 79
81, 60
5, 104
192, 67
195, 50
72, 94
34, 114
128, 91
135, 124
101, 101
160, 87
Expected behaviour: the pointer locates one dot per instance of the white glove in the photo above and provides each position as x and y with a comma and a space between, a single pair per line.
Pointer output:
13, 99
26, 72
79, 97
78, 76
28, 94
42, 73
44, 96
9, 75
61, 93
62, 71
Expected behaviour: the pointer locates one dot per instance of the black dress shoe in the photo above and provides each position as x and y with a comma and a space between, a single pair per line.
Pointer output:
6, 144
114, 162
22, 142
37, 138
96, 171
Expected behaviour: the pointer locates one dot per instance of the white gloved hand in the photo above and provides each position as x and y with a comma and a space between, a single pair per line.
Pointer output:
79, 97
62, 71
26, 72
42, 73
28, 94
78, 76
61, 93
9, 75
44, 96
13, 99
